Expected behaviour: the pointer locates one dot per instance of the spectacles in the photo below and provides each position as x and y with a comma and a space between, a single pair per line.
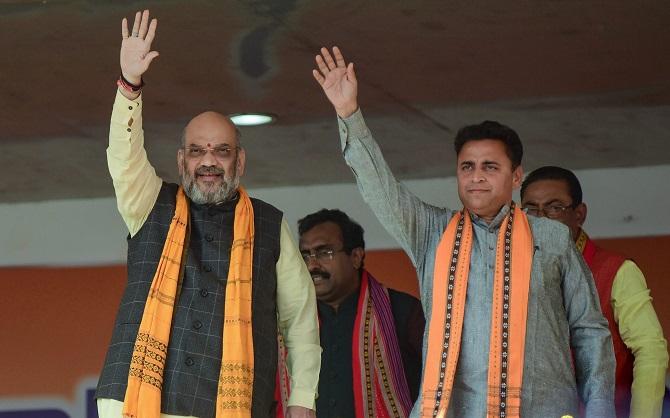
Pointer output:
220, 153
550, 211
321, 255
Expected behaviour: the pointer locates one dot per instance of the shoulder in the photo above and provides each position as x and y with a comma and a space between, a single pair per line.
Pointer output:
610, 255
399, 297
549, 235
407, 315
166, 201
403, 305
168, 193
266, 208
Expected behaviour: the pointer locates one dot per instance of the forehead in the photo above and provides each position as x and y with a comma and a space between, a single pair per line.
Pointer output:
545, 191
210, 131
484, 149
326, 233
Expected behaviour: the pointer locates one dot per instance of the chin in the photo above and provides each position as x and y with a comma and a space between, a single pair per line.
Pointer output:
208, 187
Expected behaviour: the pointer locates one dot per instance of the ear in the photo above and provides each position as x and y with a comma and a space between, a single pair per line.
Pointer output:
241, 161
180, 161
357, 256
580, 214
517, 177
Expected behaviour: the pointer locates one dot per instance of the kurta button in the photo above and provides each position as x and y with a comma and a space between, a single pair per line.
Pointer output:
204, 293
189, 361
197, 324
130, 108
129, 130
209, 237
491, 247
207, 268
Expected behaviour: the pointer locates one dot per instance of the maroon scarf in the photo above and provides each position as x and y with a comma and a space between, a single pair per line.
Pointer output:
380, 386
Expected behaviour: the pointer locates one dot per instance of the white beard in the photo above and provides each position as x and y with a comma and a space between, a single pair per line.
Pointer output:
225, 192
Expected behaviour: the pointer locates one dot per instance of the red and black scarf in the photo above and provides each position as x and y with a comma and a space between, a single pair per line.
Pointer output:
379, 385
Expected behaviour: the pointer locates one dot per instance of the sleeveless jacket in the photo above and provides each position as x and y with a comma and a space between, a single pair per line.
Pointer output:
194, 351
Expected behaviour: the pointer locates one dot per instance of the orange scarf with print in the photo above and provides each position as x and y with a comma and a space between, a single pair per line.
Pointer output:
514, 255
145, 378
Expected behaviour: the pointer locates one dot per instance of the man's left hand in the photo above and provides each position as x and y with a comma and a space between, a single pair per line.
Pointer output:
300, 412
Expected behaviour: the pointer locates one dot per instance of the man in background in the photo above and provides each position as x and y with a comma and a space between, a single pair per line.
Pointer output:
370, 335
639, 346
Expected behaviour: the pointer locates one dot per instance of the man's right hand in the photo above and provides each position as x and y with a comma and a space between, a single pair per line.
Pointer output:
136, 54
338, 81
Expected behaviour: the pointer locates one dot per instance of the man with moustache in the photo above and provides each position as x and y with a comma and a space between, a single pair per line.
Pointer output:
505, 296
639, 346
212, 274
352, 305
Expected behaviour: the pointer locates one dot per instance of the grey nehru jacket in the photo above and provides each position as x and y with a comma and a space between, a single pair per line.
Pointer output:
563, 307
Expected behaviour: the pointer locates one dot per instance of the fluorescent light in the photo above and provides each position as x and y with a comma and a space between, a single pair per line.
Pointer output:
252, 119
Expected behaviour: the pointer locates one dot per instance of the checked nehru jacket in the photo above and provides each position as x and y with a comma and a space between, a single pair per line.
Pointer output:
194, 351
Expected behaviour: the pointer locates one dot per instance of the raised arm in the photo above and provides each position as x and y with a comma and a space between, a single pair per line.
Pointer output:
408, 219
135, 181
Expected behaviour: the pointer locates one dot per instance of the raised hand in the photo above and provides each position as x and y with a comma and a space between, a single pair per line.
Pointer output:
136, 54
338, 81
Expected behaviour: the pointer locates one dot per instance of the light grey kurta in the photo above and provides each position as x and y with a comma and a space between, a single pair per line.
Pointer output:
563, 307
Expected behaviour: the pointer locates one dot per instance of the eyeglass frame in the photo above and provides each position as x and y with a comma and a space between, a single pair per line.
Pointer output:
320, 255
205, 150
558, 208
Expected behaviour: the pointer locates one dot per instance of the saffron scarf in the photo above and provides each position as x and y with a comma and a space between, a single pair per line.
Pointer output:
379, 383
514, 255
145, 378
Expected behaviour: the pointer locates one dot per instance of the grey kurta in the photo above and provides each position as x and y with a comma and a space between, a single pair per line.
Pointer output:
563, 308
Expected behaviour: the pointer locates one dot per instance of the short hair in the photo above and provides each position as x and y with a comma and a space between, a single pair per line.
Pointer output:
551, 172
352, 231
492, 130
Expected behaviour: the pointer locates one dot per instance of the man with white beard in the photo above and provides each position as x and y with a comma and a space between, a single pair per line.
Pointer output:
200, 252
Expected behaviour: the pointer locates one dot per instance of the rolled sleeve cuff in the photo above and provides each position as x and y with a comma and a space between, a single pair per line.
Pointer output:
304, 398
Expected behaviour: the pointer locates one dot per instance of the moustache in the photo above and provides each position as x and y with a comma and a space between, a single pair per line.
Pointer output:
323, 274
204, 171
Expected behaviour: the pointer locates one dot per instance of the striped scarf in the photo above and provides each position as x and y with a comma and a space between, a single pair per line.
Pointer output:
145, 378
380, 386
508, 315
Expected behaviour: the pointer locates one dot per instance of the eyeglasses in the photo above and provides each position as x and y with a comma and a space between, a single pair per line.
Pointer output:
220, 153
321, 255
550, 211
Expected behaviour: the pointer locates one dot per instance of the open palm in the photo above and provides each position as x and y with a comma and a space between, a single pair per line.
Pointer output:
136, 54
338, 81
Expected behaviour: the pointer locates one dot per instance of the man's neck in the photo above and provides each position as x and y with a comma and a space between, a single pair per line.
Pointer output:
489, 218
